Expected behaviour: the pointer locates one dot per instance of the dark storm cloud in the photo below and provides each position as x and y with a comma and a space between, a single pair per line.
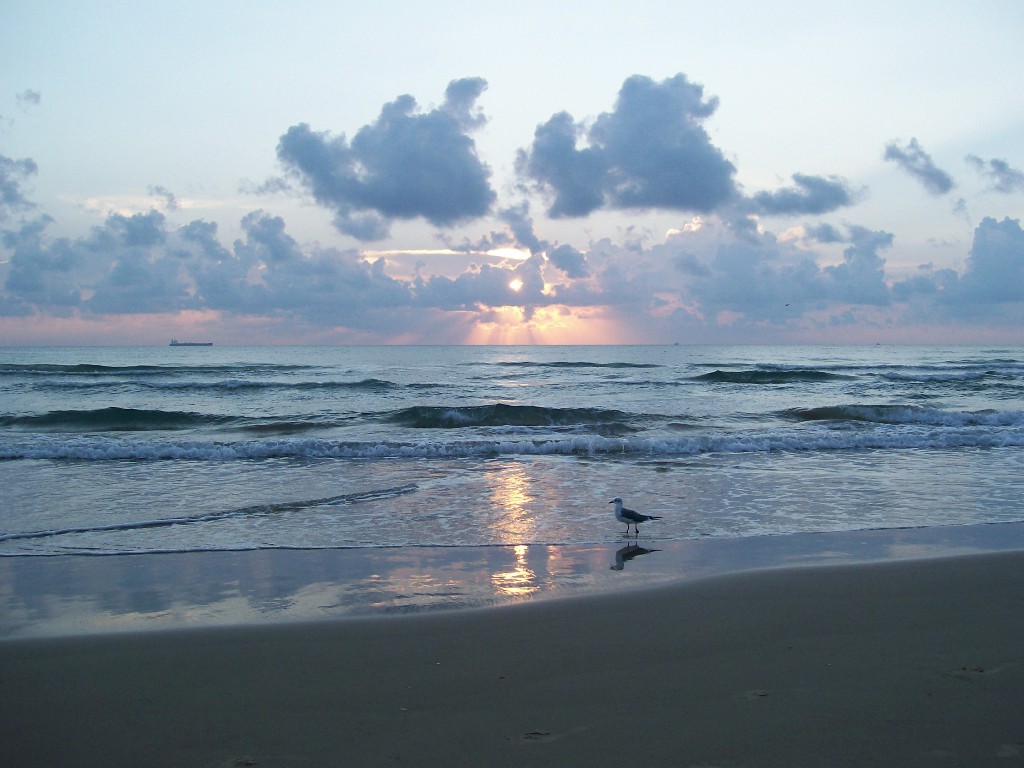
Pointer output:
1001, 177
407, 164
13, 174
810, 195
650, 152
919, 164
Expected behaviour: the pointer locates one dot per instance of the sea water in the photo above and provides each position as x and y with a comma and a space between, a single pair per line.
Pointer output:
187, 449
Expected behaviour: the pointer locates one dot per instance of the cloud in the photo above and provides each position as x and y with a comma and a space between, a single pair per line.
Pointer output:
918, 163
1002, 178
860, 279
650, 152
13, 174
823, 233
170, 201
572, 262
690, 264
29, 98
407, 164
702, 282
40, 275
520, 223
810, 195
995, 267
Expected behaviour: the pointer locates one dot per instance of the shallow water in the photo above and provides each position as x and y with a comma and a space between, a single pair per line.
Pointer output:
128, 450
78, 594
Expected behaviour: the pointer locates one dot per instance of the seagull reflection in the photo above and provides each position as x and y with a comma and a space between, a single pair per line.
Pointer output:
627, 553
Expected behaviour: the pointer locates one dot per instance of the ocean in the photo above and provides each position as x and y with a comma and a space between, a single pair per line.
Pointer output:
184, 449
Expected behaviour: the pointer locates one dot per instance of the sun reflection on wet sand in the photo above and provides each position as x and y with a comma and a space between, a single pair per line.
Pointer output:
81, 595
520, 581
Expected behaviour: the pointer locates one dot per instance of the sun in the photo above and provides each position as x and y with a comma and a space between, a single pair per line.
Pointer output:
516, 285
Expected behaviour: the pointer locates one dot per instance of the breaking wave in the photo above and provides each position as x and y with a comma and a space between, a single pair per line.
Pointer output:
91, 369
113, 420
923, 436
907, 414
503, 415
573, 364
762, 376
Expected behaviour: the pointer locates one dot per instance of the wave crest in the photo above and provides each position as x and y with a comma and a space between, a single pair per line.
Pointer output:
762, 376
505, 415
907, 414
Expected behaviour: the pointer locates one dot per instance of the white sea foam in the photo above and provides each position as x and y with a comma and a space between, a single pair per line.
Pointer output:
1002, 430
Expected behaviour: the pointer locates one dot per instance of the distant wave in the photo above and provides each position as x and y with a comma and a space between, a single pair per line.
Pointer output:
253, 510
908, 436
907, 414
947, 377
90, 369
113, 419
573, 364
503, 415
762, 376
225, 385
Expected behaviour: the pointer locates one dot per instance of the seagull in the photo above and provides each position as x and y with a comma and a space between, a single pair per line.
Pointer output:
629, 517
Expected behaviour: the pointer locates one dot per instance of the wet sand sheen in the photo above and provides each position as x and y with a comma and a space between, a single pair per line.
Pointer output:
898, 663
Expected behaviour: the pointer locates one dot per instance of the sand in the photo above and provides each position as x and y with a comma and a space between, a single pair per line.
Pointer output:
917, 663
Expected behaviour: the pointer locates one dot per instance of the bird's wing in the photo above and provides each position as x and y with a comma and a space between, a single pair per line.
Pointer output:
636, 517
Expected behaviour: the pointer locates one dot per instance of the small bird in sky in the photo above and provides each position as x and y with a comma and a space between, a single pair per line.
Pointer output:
629, 517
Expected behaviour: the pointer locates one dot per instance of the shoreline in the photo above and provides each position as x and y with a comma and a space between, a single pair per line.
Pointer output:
69, 595
907, 662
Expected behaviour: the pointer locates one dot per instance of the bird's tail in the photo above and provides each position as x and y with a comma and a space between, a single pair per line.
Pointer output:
654, 517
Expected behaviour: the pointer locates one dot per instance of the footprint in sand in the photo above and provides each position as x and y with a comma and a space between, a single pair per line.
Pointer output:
549, 736
972, 673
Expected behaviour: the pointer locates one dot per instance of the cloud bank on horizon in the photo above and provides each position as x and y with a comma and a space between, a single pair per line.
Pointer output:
721, 274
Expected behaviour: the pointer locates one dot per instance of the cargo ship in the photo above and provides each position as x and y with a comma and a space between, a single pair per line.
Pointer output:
176, 343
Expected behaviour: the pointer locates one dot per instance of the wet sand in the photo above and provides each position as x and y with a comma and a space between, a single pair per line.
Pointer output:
910, 663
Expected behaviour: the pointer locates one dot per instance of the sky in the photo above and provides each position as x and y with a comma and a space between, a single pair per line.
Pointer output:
480, 172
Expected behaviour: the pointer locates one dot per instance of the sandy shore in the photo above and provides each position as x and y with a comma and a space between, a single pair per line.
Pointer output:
915, 663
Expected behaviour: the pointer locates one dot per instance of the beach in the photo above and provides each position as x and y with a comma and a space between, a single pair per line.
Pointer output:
917, 662
370, 556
